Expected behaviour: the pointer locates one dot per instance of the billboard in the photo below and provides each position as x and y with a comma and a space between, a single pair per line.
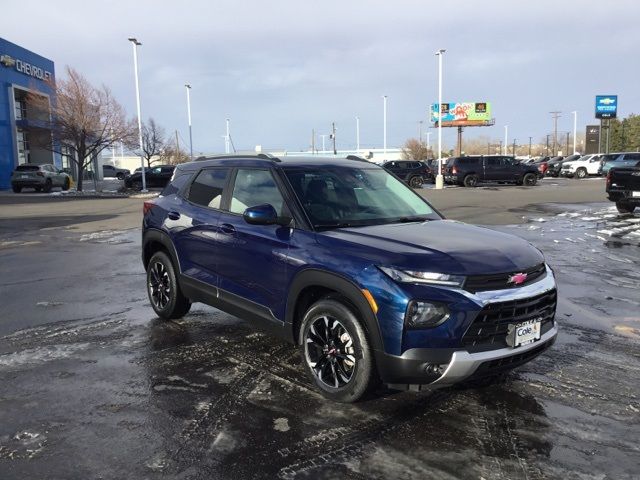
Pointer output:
466, 114
606, 106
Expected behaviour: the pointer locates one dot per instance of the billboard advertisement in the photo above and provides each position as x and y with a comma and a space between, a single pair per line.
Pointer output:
463, 114
606, 106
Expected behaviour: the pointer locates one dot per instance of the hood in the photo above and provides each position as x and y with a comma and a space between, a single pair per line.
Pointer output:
444, 246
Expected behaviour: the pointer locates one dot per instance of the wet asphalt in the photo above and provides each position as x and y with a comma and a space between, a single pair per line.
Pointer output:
94, 386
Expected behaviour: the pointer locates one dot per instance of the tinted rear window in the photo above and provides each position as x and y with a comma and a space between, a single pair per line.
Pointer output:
206, 189
28, 168
467, 161
178, 182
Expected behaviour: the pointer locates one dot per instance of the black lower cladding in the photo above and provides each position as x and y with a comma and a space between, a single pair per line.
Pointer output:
489, 329
501, 365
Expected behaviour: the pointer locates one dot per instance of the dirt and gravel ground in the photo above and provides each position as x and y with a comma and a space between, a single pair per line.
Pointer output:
92, 385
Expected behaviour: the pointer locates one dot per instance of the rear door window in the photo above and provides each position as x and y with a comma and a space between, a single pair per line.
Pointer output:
208, 186
176, 184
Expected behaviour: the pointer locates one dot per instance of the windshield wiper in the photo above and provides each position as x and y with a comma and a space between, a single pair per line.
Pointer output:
411, 219
328, 226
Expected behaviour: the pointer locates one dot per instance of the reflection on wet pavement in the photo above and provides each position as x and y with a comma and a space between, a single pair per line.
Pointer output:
124, 395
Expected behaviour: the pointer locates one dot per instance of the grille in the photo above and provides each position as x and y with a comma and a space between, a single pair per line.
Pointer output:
489, 330
496, 366
500, 281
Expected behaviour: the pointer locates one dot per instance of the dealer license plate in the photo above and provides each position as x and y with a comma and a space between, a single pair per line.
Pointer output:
520, 334
635, 194
24, 176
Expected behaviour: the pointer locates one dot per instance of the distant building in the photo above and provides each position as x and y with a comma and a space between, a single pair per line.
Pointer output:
22, 136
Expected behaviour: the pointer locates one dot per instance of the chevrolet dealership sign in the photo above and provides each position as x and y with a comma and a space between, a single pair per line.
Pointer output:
25, 67
606, 106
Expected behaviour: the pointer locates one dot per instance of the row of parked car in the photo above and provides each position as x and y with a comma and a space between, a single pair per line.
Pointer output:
582, 166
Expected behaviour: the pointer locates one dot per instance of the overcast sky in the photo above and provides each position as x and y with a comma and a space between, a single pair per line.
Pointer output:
278, 69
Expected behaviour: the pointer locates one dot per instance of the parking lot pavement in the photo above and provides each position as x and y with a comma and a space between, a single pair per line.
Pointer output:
94, 386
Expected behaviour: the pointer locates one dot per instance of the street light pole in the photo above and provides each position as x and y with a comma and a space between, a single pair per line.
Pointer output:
135, 44
358, 134
440, 178
384, 120
575, 129
506, 140
188, 88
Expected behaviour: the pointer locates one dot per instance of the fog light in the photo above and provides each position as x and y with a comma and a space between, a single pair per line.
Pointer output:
425, 314
434, 369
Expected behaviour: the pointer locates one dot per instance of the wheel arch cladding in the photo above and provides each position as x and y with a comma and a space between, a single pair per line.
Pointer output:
312, 284
154, 241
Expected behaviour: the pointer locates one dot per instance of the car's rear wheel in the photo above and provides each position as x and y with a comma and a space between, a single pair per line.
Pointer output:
163, 289
47, 185
581, 172
67, 184
530, 179
416, 181
471, 180
137, 185
624, 207
336, 351
16, 188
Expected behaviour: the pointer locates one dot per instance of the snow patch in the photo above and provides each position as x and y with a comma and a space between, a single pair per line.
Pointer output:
281, 424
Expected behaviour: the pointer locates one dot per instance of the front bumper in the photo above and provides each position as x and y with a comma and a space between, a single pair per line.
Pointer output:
428, 368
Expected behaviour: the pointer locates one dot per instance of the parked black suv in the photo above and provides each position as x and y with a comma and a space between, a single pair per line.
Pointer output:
414, 172
474, 169
156, 176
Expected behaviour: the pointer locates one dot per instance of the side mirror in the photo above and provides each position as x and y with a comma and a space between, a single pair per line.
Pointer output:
264, 215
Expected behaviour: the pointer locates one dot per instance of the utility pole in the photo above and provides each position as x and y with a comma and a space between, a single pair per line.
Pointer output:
500, 147
333, 136
513, 151
420, 131
488, 148
575, 130
568, 134
313, 141
177, 147
530, 139
555, 115
506, 141
548, 145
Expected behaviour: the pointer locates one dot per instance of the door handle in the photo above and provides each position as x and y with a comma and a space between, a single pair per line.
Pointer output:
228, 228
173, 215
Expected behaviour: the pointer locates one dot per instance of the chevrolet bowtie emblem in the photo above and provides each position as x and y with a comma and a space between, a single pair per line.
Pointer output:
7, 61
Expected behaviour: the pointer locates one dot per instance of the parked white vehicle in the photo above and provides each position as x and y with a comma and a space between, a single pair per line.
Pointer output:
583, 167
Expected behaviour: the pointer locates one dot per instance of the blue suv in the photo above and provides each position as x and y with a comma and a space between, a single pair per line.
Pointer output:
343, 259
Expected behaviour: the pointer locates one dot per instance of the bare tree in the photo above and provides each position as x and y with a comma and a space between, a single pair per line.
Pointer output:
83, 118
414, 149
153, 141
172, 154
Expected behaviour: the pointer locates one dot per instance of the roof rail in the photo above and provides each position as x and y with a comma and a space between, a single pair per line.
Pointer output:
357, 158
264, 156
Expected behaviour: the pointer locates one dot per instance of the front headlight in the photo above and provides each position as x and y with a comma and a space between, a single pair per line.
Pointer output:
425, 314
431, 278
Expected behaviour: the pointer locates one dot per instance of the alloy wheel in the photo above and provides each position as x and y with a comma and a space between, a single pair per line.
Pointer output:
159, 285
330, 352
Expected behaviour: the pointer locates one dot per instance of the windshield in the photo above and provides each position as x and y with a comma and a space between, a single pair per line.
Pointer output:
336, 196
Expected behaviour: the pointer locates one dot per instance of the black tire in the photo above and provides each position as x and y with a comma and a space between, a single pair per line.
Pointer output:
38, 189
16, 188
471, 180
416, 181
67, 184
163, 289
581, 173
137, 185
332, 335
530, 179
47, 186
624, 207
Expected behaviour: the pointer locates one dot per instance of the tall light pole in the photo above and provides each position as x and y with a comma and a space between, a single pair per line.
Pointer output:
575, 129
384, 121
188, 89
506, 141
440, 178
135, 43
358, 134
323, 137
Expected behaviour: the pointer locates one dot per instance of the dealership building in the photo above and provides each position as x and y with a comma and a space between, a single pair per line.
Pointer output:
23, 139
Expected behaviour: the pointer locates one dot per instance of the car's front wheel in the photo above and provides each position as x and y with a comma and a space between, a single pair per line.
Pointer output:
581, 172
47, 185
163, 289
336, 351
624, 207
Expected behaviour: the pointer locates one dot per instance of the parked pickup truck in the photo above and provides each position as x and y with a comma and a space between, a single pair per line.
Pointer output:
582, 167
623, 187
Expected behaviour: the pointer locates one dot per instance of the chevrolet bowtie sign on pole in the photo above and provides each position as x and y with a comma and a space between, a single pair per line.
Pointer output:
606, 109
